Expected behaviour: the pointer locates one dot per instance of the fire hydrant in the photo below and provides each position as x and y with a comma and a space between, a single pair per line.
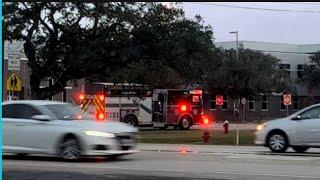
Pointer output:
206, 136
226, 126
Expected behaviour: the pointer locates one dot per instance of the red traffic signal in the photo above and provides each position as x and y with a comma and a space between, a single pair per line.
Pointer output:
219, 100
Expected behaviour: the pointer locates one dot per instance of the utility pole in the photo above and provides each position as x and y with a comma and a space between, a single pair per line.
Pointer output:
237, 48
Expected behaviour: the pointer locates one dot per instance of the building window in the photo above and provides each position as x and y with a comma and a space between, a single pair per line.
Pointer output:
295, 102
285, 67
225, 103
251, 104
264, 105
300, 70
282, 106
213, 104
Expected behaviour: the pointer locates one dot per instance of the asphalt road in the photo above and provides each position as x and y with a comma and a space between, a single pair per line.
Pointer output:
218, 163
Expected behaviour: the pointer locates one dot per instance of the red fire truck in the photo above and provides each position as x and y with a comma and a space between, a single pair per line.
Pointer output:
137, 105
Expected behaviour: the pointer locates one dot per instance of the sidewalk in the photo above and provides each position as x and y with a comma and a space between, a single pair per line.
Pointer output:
199, 148
232, 126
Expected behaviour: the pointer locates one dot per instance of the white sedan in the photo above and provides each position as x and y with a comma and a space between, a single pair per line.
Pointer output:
48, 127
300, 131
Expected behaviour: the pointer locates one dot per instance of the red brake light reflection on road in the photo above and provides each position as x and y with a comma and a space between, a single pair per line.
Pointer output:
183, 150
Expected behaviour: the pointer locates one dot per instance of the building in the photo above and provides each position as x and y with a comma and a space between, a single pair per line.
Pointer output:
292, 58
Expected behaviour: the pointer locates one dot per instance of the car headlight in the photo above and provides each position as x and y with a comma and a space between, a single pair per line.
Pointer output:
99, 134
261, 126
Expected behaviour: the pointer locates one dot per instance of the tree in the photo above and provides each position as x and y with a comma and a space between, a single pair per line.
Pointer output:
69, 41
253, 73
311, 76
174, 51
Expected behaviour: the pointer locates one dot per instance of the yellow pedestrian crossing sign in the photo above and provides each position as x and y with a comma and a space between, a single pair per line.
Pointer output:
14, 83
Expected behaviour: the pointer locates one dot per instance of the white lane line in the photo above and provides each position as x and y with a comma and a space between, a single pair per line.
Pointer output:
164, 170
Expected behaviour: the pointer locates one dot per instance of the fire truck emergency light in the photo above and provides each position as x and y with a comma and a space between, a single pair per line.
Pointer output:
101, 97
206, 120
100, 116
81, 96
183, 108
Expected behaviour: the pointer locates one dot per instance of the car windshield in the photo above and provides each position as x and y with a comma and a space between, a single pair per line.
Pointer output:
68, 112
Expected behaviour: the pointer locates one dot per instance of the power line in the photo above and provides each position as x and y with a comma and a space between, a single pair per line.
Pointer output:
299, 3
256, 8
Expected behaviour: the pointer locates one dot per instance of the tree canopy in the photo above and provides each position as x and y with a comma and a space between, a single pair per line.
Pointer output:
129, 42
311, 75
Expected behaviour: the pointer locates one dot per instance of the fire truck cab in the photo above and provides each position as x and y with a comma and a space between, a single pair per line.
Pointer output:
176, 107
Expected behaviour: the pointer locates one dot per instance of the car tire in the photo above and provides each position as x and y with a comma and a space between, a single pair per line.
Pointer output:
300, 149
185, 123
277, 142
70, 149
131, 120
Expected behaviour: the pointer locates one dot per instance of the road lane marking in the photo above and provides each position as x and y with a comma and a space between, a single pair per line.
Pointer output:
164, 170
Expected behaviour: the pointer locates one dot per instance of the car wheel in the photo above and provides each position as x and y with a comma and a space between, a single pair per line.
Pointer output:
278, 142
70, 149
300, 149
131, 120
185, 123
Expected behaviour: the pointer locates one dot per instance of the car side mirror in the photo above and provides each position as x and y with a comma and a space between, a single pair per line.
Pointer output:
41, 118
296, 118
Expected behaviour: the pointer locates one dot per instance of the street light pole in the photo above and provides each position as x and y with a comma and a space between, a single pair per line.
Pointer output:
237, 44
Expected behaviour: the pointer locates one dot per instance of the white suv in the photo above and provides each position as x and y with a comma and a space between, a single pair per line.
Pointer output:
300, 131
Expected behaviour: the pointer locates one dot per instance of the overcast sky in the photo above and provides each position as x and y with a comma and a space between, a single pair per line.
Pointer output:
261, 25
